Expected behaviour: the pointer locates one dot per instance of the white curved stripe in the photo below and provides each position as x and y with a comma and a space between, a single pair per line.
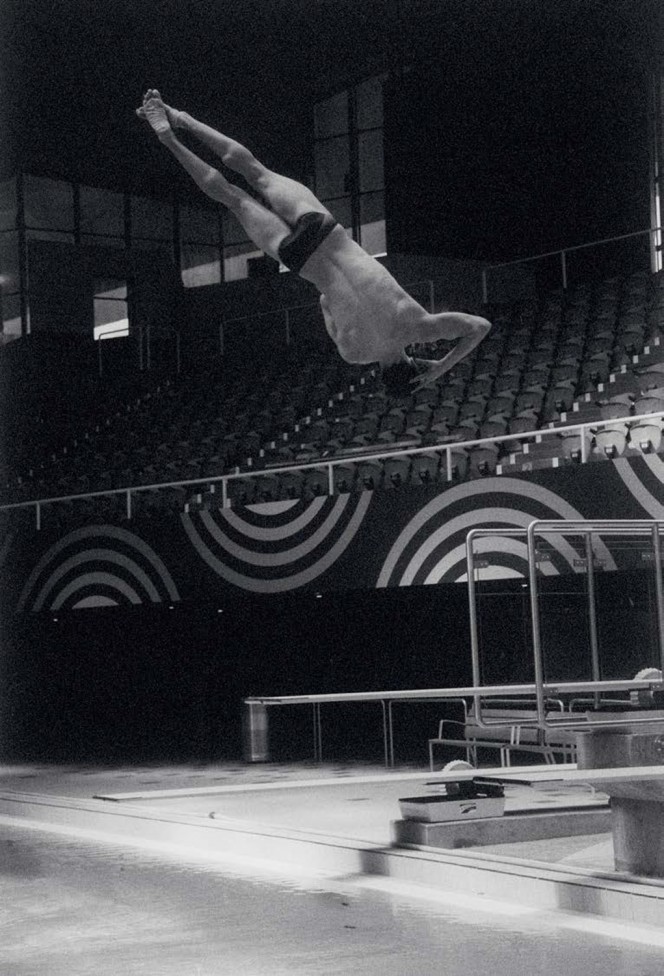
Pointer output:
471, 520
275, 507
96, 579
88, 532
286, 582
637, 489
96, 600
100, 555
492, 545
656, 465
273, 533
492, 573
520, 489
276, 558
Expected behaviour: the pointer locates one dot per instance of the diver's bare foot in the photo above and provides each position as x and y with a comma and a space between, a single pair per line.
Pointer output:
161, 117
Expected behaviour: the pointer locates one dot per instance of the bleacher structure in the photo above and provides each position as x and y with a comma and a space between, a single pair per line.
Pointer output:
592, 354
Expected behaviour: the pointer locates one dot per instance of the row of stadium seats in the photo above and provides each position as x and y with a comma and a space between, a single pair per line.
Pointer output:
584, 355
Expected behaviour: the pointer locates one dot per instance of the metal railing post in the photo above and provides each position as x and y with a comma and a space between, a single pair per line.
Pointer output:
659, 593
448, 462
224, 493
330, 479
584, 446
129, 503
38, 516
563, 267
592, 611
472, 606
535, 622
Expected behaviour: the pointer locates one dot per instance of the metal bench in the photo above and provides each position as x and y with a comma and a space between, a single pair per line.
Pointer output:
505, 727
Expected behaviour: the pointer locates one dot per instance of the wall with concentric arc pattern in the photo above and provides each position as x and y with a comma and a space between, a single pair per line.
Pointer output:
407, 537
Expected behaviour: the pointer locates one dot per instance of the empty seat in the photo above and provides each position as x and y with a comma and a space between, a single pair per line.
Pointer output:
472, 410
316, 481
397, 471
370, 473
482, 460
424, 468
344, 476
611, 440
458, 465
529, 400
393, 421
571, 444
494, 426
241, 491
646, 435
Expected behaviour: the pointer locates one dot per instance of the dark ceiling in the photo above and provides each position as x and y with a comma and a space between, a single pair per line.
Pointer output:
73, 70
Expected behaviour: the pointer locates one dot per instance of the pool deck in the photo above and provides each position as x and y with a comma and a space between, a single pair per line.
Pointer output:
337, 820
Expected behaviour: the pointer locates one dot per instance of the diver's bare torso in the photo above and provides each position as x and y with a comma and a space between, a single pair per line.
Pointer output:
367, 312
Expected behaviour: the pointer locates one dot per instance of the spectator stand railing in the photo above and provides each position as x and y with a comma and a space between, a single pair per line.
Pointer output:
447, 448
653, 233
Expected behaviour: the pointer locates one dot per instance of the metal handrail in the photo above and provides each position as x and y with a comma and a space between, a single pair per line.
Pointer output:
562, 252
584, 527
587, 527
330, 463
387, 698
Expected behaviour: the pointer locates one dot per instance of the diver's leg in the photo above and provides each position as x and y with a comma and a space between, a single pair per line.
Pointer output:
288, 198
265, 228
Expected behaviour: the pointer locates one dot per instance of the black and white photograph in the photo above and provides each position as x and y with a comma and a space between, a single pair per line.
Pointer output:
331, 488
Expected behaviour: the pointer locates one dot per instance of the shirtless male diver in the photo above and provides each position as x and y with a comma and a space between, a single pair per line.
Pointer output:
367, 313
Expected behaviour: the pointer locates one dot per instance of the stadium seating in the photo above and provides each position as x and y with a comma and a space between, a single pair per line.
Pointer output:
587, 355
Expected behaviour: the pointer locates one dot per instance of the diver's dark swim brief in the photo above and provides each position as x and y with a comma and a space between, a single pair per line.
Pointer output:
309, 232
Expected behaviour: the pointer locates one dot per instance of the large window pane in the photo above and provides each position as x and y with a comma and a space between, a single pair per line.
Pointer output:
372, 207
151, 219
331, 116
374, 238
8, 205
370, 104
370, 149
332, 166
372, 218
164, 248
110, 309
200, 265
102, 212
9, 262
199, 226
235, 260
341, 211
11, 316
98, 240
49, 204
49, 235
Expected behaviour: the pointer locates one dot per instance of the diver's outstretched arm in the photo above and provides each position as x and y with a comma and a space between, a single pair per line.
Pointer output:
468, 330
